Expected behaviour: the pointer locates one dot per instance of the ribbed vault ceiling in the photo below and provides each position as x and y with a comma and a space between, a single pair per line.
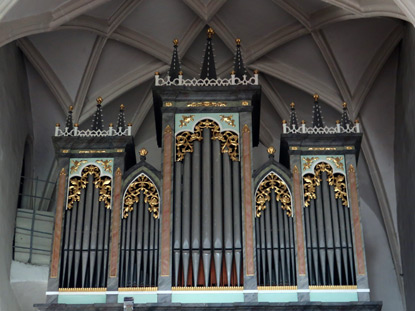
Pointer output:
344, 50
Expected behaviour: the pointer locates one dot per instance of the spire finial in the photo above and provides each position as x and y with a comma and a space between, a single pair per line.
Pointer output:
143, 153
345, 119
238, 66
317, 114
121, 119
210, 32
293, 116
208, 67
175, 62
271, 150
69, 121
97, 121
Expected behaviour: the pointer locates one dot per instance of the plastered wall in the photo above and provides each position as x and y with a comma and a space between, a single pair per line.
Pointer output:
15, 125
404, 161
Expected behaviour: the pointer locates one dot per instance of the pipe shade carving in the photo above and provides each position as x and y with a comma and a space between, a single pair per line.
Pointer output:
142, 184
262, 195
229, 139
103, 183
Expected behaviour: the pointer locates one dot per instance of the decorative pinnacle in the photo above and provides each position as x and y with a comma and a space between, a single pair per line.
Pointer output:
57, 124
180, 73
130, 124
256, 71
284, 121
302, 122
210, 32
176, 42
238, 41
99, 100
344, 105
292, 105
70, 108
232, 72
315, 97
76, 125
271, 150
143, 152
122, 107
337, 121
111, 125
356, 121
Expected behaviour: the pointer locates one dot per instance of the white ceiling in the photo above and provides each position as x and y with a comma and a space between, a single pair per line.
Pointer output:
344, 50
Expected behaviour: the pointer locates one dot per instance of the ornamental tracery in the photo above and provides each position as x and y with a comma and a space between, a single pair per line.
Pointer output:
229, 140
142, 184
337, 180
76, 184
272, 182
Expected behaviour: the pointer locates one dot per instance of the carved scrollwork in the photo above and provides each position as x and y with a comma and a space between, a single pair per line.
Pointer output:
273, 182
76, 184
312, 181
151, 196
229, 140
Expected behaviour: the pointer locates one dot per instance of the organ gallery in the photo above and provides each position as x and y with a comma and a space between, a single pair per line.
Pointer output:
208, 231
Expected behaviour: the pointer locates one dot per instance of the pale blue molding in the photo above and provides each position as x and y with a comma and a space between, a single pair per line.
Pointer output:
139, 297
283, 296
71, 298
206, 297
308, 163
187, 121
333, 295
105, 165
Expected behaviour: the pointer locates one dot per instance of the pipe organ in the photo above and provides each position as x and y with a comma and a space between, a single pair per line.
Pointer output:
208, 227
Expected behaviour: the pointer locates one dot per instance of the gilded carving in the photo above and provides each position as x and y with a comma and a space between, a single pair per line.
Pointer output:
312, 181
106, 164
186, 120
228, 119
76, 184
337, 161
76, 165
272, 182
309, 162
207, 104
229, 140
142, 184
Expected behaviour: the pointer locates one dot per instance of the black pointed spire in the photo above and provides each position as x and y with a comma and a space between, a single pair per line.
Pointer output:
97, 121
317, 114
121, 119
345, 120
238, 66
293, 117
175, 62
208, 67
69, 121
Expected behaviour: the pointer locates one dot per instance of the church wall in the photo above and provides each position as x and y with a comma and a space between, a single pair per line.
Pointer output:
404, 155
15, 125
